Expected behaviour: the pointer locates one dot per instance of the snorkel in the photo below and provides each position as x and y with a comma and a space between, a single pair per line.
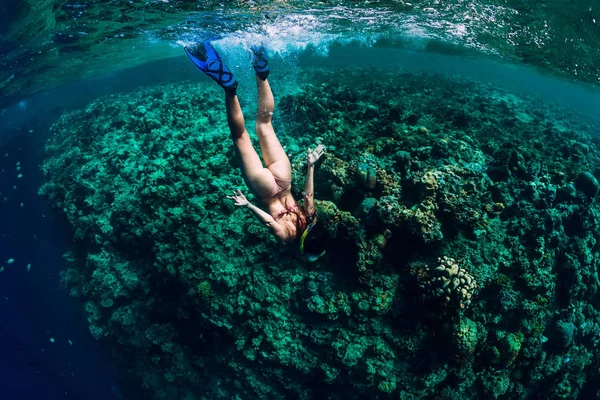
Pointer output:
310, 257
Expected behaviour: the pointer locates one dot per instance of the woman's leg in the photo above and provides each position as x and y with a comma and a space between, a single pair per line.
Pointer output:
259, 179
275, 158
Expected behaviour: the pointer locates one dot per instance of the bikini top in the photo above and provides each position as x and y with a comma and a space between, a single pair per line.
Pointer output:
289, 210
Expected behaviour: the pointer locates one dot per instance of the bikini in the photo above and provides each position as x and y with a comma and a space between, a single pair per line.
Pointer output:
280, 186
289, 210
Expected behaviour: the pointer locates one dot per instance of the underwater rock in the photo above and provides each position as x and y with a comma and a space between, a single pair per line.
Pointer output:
390, 211
420, 220
371, 112
566, 193
107, 303
387, 386
447, 283
496, 385
564, 332
389, 182
380, 239
204, 289
430, 182
369, 255
336, 223
465, 337
423, 223
366, 176
402, 159
588, 184
366, 211
508, 347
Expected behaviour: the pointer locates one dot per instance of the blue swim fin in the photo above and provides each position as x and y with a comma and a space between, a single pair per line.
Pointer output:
205, 57
260, 61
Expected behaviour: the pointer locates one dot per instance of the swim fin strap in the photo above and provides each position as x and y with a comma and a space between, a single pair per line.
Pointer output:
205, 57
260, 62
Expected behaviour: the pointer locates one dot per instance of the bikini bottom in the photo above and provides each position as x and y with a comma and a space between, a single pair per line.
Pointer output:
279, 186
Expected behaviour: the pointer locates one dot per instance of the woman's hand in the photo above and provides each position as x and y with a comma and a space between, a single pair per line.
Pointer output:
314, 155
239, 198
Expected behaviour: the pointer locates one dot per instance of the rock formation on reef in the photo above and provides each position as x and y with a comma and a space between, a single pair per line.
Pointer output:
460, 225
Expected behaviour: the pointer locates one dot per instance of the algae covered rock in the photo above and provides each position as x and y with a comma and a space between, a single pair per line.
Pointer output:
507, 348
465, 337
366, 211
446, 283
203, 302
588, 184
563, 333
366, 176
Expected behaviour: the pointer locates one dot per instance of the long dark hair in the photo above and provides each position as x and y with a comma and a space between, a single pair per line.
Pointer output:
303, 219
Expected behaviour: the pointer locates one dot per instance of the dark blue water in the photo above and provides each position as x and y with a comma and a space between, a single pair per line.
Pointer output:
33, 310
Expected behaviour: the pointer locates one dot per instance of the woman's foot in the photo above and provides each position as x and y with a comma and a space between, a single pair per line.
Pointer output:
205, 57
260, 61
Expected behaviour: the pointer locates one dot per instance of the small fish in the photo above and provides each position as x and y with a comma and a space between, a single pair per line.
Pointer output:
10, 261
28, 268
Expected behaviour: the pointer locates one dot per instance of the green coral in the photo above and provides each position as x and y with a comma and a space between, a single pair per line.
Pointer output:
386, 386
201, 292
466, 337
204, 289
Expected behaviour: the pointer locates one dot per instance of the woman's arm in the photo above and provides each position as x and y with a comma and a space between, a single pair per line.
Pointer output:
265, 218
276, 228
309, 187
241, 201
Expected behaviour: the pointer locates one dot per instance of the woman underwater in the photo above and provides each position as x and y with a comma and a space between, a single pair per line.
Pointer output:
271, 183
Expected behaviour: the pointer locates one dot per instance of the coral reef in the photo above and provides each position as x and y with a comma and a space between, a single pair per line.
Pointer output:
459, 222
447, 283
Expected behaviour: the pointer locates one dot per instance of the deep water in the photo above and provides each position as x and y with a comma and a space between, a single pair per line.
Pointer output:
46, 351
54, 347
